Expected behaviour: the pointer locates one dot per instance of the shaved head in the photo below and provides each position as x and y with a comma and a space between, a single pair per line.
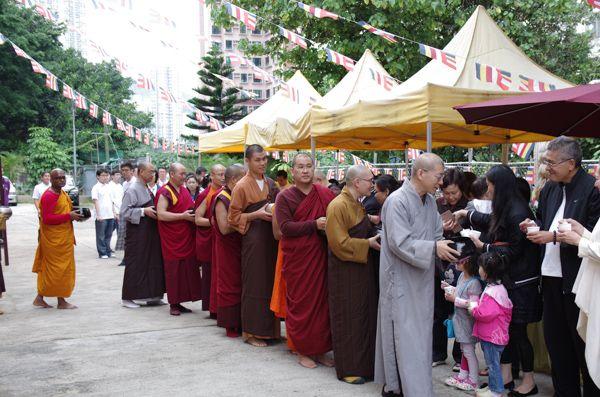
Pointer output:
355, 172
232, 172
174, 167
57, 179
301, 155
217, 175
144, 165
216, 168
177, 174
56, 172
427, 162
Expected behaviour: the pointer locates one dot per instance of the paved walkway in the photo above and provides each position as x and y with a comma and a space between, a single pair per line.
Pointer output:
103, 349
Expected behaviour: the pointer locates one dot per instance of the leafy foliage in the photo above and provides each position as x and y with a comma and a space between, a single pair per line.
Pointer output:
44, 153
214, 98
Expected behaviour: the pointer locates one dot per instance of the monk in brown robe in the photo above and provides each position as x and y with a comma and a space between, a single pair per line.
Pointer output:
175, 212
250, 214
227, 252
204, 238
300, 211
352, 279
55, 256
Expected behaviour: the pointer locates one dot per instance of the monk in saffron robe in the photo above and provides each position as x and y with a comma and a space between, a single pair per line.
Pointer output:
300, 211
204, 238
250, 214
352, 279
55, 256
175, 212
227, 251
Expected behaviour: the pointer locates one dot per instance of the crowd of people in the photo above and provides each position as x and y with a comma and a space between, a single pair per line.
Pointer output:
378, 271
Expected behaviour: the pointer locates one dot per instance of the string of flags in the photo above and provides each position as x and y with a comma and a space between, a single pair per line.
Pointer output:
93, 110
523, 150
594, 3
503, 79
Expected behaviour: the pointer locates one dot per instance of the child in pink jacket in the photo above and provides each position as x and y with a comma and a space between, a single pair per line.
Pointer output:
492, 316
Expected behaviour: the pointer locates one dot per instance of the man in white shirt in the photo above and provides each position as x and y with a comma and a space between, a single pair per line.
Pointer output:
117, 194
40, 188
128, 173
163, 177
105, 213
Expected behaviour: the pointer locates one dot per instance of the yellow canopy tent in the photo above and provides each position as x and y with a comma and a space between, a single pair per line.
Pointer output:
421, 107
258, 127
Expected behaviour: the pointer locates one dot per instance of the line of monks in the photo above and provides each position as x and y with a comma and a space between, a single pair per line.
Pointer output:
252, 253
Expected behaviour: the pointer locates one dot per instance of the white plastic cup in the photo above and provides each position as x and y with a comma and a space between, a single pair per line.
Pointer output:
564, 227
533, 229
475, 233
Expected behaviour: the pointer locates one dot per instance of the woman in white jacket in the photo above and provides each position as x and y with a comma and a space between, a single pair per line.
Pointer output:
586, 289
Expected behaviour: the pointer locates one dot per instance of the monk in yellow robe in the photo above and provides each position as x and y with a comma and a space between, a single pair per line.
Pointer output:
55, 256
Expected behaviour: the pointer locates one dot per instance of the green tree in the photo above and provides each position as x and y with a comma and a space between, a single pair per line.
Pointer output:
214, 98
44, 153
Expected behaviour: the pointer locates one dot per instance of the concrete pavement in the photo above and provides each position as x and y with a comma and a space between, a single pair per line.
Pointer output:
103, 349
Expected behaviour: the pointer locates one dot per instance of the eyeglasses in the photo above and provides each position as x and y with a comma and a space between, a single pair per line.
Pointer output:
367, 180
552, 164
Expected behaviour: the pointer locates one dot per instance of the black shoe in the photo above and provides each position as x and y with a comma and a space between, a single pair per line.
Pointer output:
390, 393
510, 385
121, 264
532, 392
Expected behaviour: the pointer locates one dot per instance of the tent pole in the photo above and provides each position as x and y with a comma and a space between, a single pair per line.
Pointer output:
406, 160
429, 137
313, 149
505, 153
337, 163
470, 154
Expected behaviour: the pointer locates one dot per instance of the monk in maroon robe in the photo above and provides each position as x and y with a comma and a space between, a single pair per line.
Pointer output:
204, 238
175, 211
300, 212
227, 255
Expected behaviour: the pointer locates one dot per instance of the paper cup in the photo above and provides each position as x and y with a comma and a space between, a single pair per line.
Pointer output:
449, 290
466, 233
475, 233
564, 227
533, 229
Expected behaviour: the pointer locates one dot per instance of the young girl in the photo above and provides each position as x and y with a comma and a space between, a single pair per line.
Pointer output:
467, 289
492, 316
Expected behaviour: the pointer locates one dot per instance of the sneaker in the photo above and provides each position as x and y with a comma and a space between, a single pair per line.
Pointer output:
112, 255
129, 304
104, 257
439, 362
452, 381
456, 367
466, 385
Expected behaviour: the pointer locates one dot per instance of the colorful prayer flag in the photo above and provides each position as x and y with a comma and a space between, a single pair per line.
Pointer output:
290, 92
293, 37
144, 82
341, 175
491, 74
120, 125
340, 59
80, 101
330, 174
542, 87
531, 85
437, 54
386, 81
45, 13
318, 12
242, 15
155, 142
275, 155
99, 49
165, 95
93, 110
68, 92
121, 66
382, 33
340, 157
235, 59
37, 68
106, 118
51, 81
20, 52
215, 125
138, 135
413, 154
286, 157
594, 3
164, 145
523, 150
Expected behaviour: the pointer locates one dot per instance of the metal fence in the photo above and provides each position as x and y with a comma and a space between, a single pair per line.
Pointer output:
525, 169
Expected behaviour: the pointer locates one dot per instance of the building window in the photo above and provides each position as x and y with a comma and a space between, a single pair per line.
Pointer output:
267, 61
258, 94
243, 29
244, 110
236, 76
216, 30
256, 31
268, 94
257, 61
228, 30
244, 77
228, 45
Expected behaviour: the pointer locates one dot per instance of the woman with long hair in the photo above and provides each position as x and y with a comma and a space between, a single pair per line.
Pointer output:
503, 235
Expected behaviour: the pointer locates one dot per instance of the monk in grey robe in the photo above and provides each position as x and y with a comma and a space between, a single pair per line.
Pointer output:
144, 277
411, 238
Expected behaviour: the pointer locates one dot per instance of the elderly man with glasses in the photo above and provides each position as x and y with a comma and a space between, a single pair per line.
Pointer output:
569, 194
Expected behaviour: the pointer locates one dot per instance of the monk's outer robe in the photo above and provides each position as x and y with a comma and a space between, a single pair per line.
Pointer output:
411, 227
55, 256
352, 283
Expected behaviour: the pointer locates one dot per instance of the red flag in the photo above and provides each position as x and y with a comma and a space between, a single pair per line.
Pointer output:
20, 52
120, 125
129, 130
318, 12
164, 145
144, 82
93, 110
293, 37
594, 3
80, 101
68, 92
37, 68
386, 35
155, 142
